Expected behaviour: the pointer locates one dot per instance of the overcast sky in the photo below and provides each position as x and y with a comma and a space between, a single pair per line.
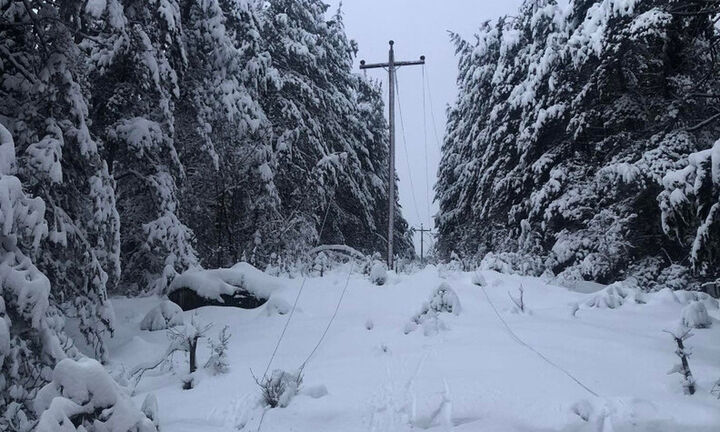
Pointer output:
418, 27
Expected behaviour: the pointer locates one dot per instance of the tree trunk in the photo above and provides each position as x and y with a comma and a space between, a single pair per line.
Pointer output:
193, 354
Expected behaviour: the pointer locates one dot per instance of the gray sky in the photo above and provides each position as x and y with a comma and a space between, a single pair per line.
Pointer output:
418, 27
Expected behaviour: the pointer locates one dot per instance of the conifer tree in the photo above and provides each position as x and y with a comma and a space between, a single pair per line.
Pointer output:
137, 57
565, 126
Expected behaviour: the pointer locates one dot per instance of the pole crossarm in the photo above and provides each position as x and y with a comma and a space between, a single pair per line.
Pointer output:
363, 65
422, 232
391, 66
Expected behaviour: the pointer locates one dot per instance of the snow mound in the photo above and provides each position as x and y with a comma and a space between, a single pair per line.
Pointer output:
213, 283
478, 279
695, 315
378, 273
241, 285
277, 306
163, 316
443, 300
150, 409
83, 397
615, 295
688, 297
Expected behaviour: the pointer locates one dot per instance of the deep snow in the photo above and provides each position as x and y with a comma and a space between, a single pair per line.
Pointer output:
471, 375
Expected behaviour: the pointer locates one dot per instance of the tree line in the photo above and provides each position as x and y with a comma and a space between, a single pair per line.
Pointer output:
582, 142
142, 138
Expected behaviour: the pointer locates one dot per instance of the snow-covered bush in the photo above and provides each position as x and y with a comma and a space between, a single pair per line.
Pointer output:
218, 363
150, 409
82, 397
455, 264
716, 389
443, 300
378, 273
687, 297
513, 263
321, 264
614, 296
280, 388
695, 315
163, 316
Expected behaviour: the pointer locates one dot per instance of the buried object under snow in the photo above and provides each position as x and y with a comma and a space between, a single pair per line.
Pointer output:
241, 286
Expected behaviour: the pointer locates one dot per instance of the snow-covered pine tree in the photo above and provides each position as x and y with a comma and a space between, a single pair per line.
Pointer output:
44, 103
690, 207
358, 215
136, 55
31, 338
312, 104
222, 134
566, 123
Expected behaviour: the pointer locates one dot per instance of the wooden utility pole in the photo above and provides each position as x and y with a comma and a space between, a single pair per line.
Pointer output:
422, 232
391, 67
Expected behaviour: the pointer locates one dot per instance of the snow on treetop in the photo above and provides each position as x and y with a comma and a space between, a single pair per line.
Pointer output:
96, 7
214, 283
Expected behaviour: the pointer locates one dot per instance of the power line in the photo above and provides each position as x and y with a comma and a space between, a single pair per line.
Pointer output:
297, 298
426, 75
539, 354
407, 157
425, 143
332, 319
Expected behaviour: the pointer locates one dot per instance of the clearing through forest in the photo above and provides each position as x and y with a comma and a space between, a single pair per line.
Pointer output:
378, 370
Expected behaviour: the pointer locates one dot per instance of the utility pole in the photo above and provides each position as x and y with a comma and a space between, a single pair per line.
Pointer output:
391, 67
422, 232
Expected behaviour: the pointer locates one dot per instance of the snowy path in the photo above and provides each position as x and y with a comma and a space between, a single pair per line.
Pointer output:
472, 376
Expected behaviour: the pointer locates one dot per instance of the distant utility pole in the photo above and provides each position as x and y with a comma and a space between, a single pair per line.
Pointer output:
391, 66
422, 232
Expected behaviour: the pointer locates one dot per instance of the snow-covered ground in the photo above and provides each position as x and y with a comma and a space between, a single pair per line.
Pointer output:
470, 375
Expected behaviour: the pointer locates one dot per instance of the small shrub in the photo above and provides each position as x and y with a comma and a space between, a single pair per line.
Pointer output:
716, 389
280, 387
443, 300
186, 338
680, 335
150, 409
378, 273
218, 362
695, 315
519, 301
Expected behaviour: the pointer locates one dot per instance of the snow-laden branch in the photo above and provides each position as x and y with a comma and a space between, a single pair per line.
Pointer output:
337, 248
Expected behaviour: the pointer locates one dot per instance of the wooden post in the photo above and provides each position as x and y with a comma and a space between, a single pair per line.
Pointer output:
392, 67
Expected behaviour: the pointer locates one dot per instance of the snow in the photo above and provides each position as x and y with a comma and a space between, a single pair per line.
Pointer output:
212, 284
96, 7
7, 152
163, 316
695, 315
83, 391
378, 273
471, 376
